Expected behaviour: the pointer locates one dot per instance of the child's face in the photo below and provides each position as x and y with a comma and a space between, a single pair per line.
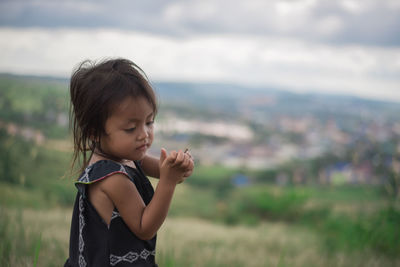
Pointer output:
129, 129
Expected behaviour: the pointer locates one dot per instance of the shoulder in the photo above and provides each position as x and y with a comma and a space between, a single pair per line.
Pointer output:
100, 170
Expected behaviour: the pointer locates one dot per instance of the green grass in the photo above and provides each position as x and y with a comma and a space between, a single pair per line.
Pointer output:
379, 233
32, 175
340, 221
37, 250
41, 236
192, 242
348, 219
18, 246
17, 196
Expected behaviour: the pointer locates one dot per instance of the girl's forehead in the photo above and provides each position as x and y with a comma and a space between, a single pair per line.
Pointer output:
132, 108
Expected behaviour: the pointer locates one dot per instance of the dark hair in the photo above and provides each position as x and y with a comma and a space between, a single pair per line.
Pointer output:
95, 89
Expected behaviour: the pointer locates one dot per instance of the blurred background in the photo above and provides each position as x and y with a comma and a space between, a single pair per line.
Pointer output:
290, 108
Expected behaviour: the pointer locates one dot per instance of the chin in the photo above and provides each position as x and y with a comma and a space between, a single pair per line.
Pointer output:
138, 157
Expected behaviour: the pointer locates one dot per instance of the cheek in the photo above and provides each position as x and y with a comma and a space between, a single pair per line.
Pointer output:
151, 134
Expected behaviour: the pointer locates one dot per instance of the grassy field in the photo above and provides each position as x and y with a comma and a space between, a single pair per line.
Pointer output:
212, 222
258, 225
44, 234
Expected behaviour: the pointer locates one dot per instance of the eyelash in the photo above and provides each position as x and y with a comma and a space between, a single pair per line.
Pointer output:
132, 129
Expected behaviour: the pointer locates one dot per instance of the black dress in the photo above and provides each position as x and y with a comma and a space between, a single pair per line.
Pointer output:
93, 243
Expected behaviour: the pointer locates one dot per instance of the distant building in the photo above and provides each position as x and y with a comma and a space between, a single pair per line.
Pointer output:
240, 180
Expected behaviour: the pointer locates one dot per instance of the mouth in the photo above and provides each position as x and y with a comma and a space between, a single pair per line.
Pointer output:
142, 147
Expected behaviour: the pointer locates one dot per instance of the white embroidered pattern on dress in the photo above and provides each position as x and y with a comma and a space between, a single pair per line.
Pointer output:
131, 256
82, 262
122, 169
85, 177
115, 214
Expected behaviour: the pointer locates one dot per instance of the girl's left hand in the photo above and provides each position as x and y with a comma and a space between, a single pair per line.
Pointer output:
189, 170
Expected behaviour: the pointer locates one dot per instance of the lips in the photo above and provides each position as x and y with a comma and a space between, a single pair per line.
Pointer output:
142, 147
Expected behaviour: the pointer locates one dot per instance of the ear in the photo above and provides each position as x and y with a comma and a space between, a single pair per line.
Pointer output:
94, 142
93, 137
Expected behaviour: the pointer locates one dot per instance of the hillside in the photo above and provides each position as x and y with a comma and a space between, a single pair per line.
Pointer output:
283, 168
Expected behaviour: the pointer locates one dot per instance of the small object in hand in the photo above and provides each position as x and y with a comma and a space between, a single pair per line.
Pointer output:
187, 152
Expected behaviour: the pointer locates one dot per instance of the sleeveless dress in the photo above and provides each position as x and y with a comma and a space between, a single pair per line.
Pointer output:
93, 243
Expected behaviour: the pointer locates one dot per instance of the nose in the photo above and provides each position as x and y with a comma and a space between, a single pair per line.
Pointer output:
144, 133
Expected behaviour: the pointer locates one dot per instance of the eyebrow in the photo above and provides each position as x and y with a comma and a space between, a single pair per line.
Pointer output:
136, 120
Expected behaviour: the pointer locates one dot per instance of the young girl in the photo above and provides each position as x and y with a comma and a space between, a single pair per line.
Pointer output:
117, 213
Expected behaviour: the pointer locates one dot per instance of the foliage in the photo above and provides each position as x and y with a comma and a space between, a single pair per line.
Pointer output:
379, 232
18, 246
278, 204
34, 102
211, 177
35, 169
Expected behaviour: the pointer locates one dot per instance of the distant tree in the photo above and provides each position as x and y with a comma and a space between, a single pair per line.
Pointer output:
7, 158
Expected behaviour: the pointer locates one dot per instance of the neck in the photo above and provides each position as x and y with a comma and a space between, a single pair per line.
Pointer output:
98, 152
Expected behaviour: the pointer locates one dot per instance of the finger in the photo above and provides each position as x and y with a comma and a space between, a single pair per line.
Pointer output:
172, 157
163, 155
191, 165
173, 154
186, 162
179, 158
187, 174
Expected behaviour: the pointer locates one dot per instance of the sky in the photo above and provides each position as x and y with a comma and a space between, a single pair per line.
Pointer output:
335, 47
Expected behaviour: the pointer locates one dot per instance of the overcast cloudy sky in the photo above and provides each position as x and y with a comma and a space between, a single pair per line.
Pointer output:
341, 46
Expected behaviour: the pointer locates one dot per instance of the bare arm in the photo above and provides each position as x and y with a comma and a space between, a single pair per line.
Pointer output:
151, 166
144, 220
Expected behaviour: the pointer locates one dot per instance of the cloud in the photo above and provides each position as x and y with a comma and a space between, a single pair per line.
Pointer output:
343, 46
365, 22
233, 58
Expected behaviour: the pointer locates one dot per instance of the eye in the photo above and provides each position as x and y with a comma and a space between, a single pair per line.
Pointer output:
130, 130
150, 123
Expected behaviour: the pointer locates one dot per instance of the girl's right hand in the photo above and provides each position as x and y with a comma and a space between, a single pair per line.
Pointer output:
174, 166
